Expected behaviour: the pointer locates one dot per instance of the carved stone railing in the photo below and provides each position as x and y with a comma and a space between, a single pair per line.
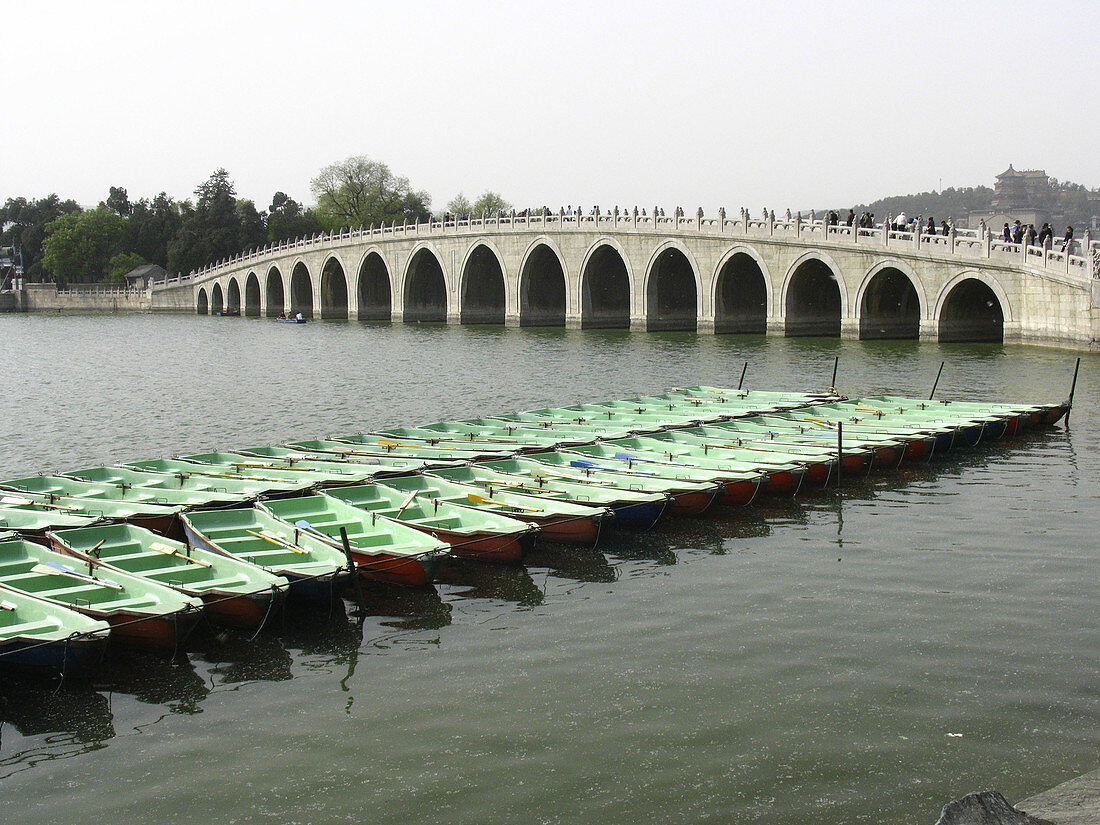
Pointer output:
972, 245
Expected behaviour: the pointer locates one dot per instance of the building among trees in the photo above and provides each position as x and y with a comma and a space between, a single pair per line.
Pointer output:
1017, 196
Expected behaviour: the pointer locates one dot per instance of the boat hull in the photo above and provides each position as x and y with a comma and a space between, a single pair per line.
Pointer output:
247, 611
404, 570
498, 548
72, 658
158, 634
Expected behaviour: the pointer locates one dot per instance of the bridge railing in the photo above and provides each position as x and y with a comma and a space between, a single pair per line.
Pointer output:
963, 242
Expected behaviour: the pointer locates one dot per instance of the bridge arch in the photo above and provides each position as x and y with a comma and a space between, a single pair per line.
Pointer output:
301, 290
742, 292
483, 291
374, 287
275, 294
251, 295
543, 290
217, 304
606, 286
233, 296
202, 303
672, 288
334, 289
424, 292
972, 306
814, 296
891, 301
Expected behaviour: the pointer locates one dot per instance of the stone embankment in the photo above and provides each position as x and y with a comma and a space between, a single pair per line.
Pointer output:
1076, 802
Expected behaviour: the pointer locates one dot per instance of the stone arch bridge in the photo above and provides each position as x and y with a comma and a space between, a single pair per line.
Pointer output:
786, 277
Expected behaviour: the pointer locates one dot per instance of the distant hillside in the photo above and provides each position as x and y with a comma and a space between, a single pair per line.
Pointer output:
1065, 201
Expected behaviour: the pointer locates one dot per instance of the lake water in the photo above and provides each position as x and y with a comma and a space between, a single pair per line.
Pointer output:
829, 659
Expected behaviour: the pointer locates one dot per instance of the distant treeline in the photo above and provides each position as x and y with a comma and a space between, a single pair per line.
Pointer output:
62, 242
1066, 202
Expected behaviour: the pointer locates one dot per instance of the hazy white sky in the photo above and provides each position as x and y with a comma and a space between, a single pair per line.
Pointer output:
716, 104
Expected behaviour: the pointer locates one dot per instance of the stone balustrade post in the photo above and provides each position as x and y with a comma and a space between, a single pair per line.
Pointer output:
635, 213
770, 218
987, 245
699, 219
721, 220
886, 230
951, 239
916, 236
798, 225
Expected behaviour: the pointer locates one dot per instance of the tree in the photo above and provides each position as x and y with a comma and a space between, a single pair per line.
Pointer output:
490, 204
122, 263
24, 225
216, 227
287, 220
152, 227
80, 245
460, 206
360, 192
118, 201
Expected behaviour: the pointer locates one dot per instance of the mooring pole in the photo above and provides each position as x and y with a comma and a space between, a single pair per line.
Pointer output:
1072, 389
936, 383
742, 381
839, 454
836, 363
354, 571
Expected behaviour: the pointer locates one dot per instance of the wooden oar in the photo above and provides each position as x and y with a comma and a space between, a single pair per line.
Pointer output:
392, 444
56, 569
8, 606
408, 500
474, 498
20, 502
158, 547
505, 485
267, 535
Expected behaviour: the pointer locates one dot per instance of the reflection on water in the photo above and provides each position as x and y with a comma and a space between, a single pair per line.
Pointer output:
796, 660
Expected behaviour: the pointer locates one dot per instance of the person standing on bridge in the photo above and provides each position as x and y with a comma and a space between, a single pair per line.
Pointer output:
1067, 243
851, 217
931, 226
1007, 234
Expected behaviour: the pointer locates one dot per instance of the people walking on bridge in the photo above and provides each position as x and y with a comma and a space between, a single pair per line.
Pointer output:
931, 230
1017, 232
945, 228
1031, 235
1007, 234
851, 217
1046, 234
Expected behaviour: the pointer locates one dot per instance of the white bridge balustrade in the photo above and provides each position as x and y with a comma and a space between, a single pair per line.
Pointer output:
647, 272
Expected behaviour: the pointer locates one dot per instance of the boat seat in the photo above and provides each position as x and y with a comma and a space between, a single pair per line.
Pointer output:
28, 628
126, 604
212, 584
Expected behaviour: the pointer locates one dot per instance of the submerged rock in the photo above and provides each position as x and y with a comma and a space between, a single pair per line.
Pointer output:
985, 808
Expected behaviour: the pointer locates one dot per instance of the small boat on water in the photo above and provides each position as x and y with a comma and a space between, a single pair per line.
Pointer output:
265, 483
690, 493
295, 319
559, 521
774, 462
141, 612
377, 466
48, 510
221, 491
315, 569
636, 509
380, 445
110, 490
42, 637
240, 463
232, 592
379, 456
383, 549
739, 481
26, 515
472, 534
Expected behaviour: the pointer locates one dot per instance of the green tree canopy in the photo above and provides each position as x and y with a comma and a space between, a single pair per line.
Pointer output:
490, 204
118, 201
24, 225
122, 263
217, 226
460, 206
151, 228
287, 220
360, 192
80, 245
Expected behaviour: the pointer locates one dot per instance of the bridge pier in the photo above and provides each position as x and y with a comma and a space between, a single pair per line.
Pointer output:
777, 326
929, 330
573, 322
511, 319
639, 323
705, 326
849, 328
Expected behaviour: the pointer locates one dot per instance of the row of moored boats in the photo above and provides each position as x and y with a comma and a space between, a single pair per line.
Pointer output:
143, 552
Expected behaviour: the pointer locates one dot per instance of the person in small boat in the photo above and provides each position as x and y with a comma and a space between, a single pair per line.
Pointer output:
281, 316
298, 317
